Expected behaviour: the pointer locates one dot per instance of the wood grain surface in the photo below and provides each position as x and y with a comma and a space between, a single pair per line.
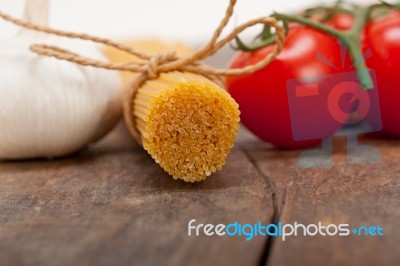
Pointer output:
112, 205
355, 194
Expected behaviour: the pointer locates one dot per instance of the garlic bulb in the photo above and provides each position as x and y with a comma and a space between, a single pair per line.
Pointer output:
48, 107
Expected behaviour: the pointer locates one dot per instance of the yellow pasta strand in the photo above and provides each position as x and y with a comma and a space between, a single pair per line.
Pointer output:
187, 123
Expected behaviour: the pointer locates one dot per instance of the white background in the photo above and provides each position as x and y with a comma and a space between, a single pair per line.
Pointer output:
191, 21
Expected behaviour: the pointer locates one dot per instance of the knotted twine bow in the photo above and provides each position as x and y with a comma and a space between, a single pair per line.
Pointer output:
153, 65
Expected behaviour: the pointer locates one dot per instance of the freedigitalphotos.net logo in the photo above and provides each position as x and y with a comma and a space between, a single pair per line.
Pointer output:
249, 231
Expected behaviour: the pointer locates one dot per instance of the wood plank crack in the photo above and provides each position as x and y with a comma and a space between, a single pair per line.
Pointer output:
278, 204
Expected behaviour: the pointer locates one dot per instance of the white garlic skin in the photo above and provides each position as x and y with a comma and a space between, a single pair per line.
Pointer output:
51, 108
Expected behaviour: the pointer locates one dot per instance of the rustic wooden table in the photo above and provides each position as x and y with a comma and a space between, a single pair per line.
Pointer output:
112, 205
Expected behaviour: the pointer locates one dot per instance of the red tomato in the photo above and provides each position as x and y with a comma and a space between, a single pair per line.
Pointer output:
382, 37
263, 96
341, 22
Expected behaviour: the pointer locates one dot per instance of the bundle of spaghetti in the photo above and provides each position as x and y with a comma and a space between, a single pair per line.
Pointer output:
187, 123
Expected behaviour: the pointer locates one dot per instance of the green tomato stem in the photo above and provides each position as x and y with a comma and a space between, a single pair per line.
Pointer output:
310, 23
351, 39
354, 46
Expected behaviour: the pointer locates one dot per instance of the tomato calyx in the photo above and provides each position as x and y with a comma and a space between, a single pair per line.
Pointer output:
350, 38
265, 38
325, 13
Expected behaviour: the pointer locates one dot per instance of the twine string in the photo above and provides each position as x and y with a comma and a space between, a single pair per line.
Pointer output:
162, 62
